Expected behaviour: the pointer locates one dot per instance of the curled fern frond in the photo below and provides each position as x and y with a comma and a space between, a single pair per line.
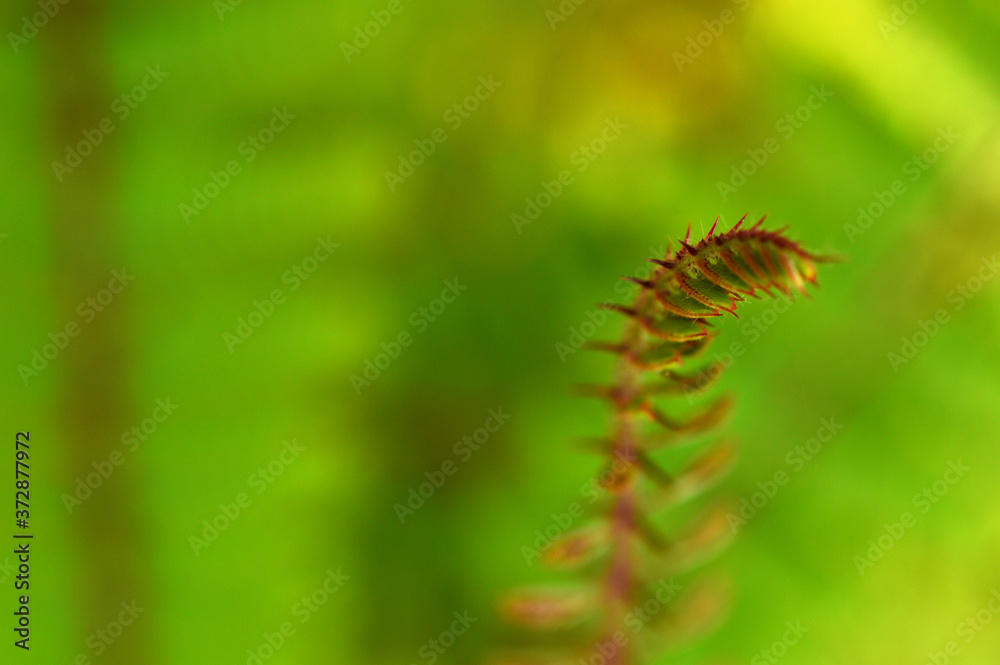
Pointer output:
626, 553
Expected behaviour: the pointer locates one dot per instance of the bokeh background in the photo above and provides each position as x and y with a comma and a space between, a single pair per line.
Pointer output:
897, 76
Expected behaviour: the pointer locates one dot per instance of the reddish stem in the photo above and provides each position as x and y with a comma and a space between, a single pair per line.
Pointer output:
620, 583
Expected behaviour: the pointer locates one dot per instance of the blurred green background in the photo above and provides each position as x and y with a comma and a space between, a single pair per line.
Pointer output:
693, 102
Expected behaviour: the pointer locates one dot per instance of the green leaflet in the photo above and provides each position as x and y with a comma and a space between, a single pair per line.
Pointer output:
675, 328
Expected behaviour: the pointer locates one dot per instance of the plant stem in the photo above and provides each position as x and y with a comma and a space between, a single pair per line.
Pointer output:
621, 572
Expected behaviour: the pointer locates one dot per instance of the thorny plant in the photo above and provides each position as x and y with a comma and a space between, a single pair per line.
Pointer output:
617, 615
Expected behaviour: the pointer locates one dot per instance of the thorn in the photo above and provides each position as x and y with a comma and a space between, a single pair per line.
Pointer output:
734, 304
687, 237
729, 310
669, 265
755, 226
691, 249
711, 231
740, 223
635, 280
